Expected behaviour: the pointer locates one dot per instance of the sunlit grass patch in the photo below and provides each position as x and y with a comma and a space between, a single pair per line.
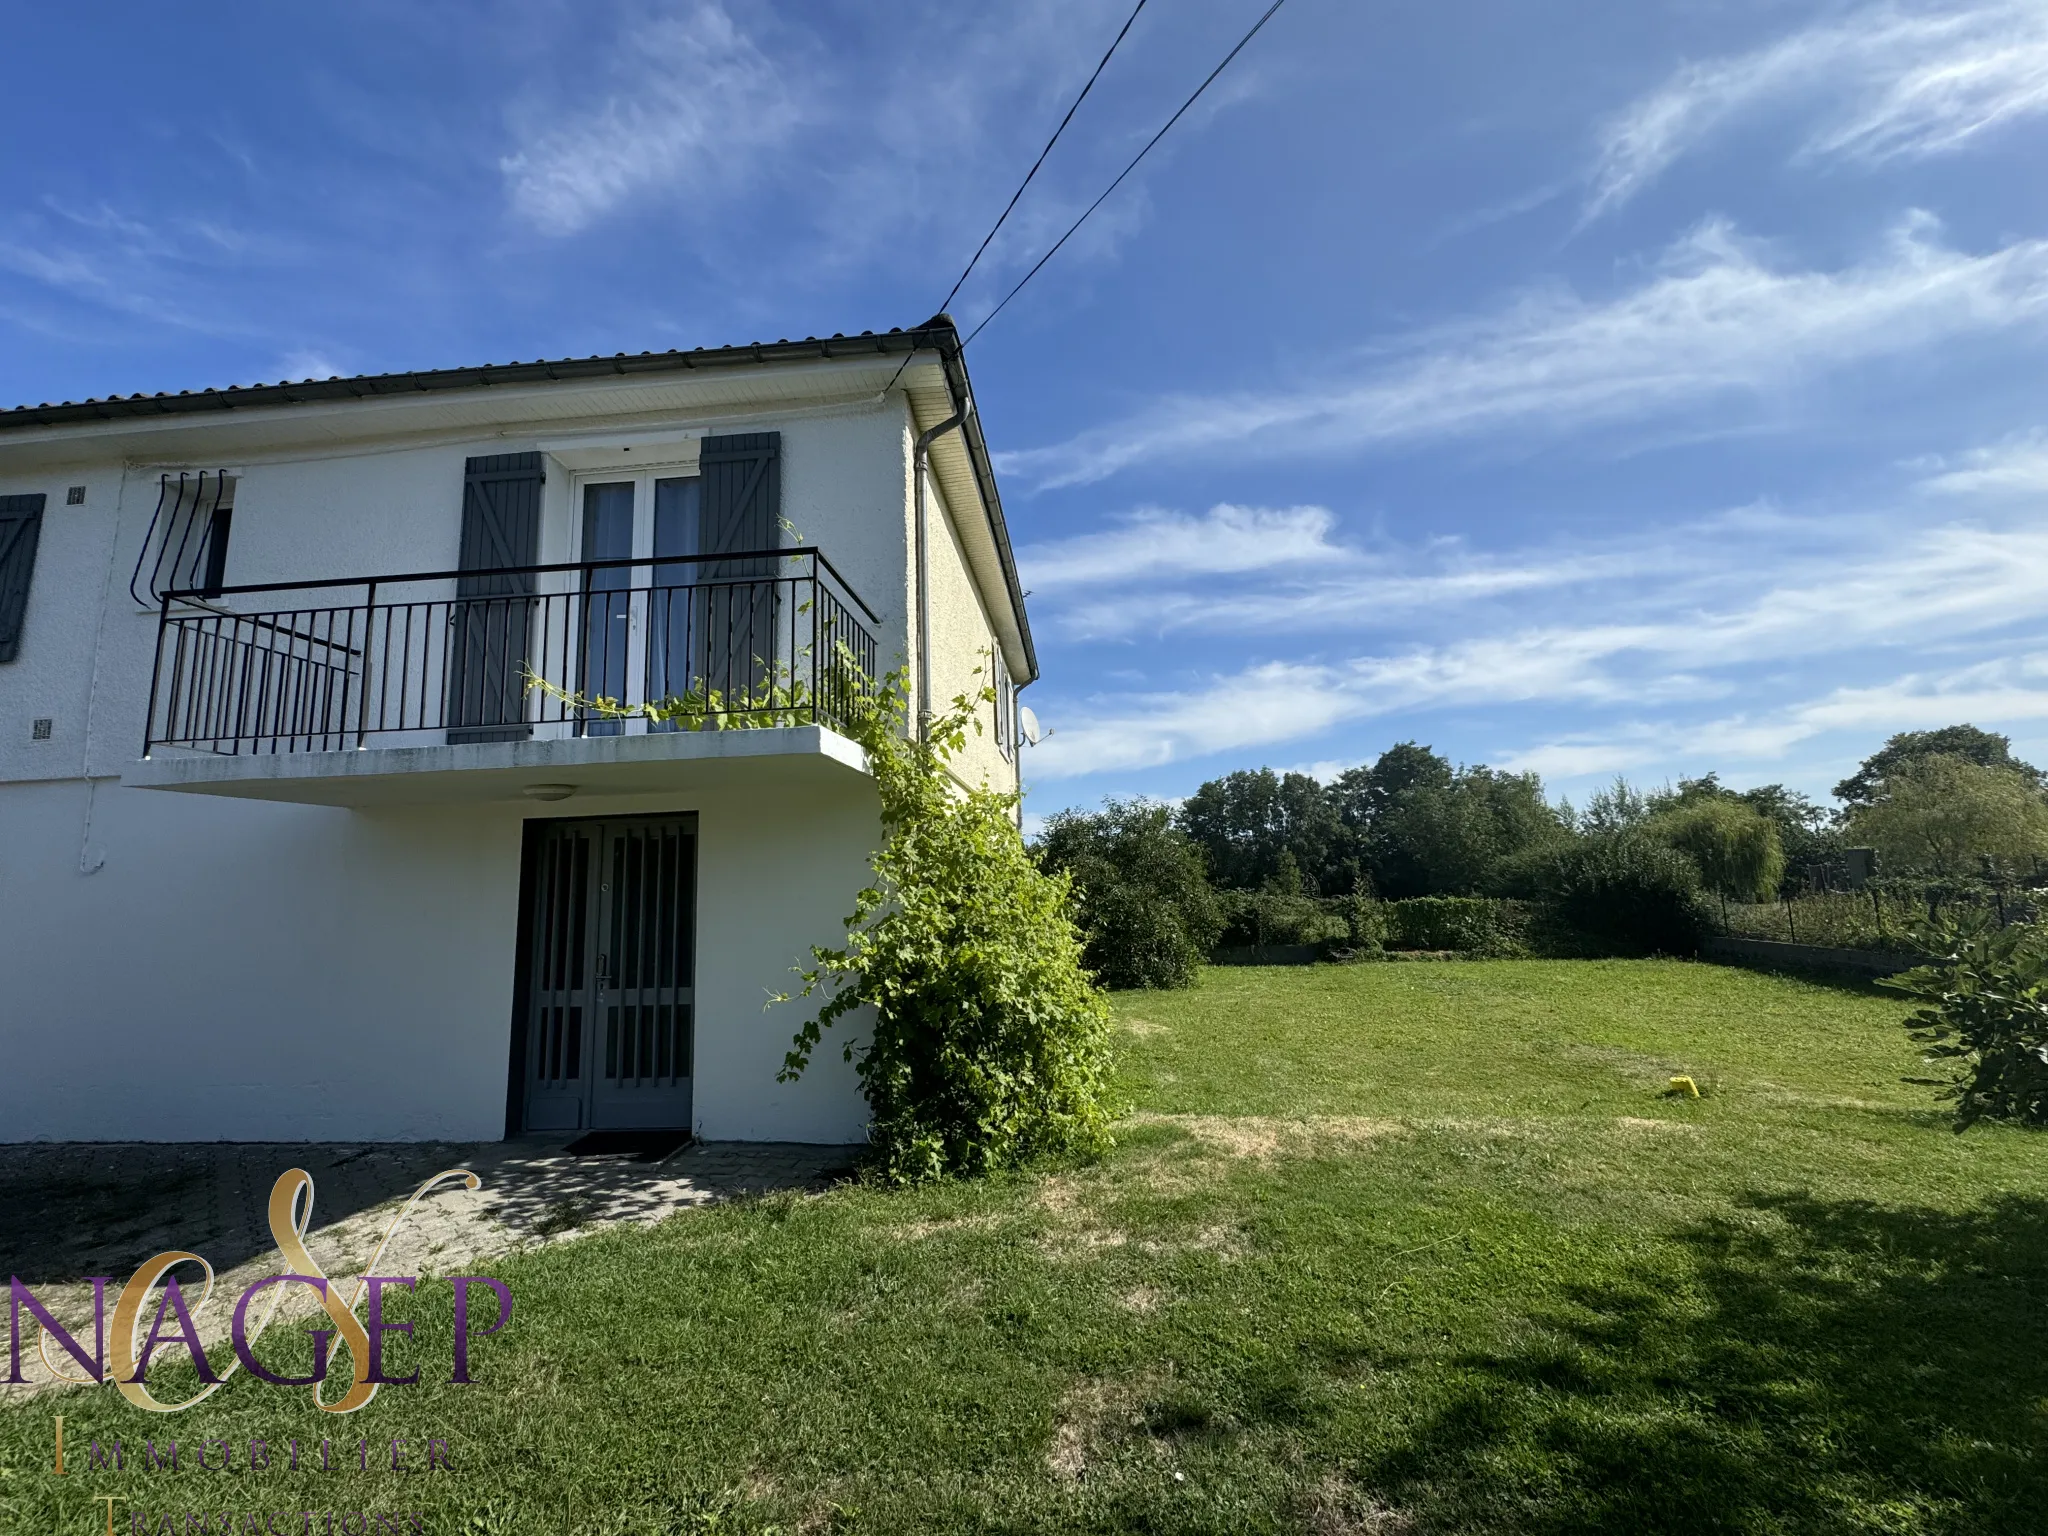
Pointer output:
1381, 1249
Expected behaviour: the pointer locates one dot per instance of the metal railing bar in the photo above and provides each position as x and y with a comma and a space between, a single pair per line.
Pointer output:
170, 720
241, 697
196, 595
178, 566
235, 614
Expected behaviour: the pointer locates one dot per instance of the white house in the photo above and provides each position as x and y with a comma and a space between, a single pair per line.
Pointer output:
291, 845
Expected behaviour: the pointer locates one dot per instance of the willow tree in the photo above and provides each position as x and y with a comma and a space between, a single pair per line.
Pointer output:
1736, 847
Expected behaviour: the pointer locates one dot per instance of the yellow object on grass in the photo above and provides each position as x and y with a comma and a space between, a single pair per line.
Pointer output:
1686, 1086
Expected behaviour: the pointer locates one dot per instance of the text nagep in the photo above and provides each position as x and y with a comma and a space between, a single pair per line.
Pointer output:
124, 1357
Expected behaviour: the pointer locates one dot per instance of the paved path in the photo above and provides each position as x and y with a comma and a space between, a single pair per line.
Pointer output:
69, 1211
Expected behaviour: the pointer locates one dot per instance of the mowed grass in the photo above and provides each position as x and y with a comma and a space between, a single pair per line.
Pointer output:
1395, 1248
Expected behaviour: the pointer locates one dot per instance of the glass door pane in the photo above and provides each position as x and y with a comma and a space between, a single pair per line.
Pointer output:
607, 604
672, 671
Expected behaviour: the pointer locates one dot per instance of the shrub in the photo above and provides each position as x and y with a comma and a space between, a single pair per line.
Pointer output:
1365, 921
1271, 917
1362, 927
1983, 997
1145, 910
991, 1044
1626, 894
1468, 925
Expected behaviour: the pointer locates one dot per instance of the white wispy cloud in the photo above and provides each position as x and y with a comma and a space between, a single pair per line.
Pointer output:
1276, 701
305, 363
694, 100
2018, 466
1361, 591
1877, 83
1153, 541
1598, 755
1281, 701
1924, 586
111, 261
2005, 690
1715, 320
791, 148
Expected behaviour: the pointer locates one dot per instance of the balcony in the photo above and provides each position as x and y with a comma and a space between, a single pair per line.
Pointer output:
481, 684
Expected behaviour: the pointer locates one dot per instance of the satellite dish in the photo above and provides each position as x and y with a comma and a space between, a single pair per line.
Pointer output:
1030, 723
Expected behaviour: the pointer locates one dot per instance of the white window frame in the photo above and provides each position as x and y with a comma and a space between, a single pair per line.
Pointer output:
642, 477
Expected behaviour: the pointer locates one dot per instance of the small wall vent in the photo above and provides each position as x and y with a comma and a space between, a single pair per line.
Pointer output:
75, 497
40, 731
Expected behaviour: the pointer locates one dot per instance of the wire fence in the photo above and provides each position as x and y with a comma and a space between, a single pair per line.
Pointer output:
1884, 915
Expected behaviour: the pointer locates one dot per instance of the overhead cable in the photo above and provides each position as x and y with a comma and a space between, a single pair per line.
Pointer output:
985, 239
1140, 155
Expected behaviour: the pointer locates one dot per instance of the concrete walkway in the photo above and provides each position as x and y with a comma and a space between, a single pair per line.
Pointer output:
69, 1211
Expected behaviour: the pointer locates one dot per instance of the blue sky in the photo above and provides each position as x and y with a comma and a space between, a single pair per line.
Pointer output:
1598, 388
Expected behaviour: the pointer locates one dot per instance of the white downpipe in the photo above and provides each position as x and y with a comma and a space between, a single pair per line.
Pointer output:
920, 458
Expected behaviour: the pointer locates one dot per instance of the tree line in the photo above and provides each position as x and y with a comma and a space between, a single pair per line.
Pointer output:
1633, 870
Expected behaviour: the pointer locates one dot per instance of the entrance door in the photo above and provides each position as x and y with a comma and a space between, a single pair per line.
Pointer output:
611, 915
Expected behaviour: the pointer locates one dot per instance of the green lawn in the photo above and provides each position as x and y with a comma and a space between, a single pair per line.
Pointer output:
1394, 1248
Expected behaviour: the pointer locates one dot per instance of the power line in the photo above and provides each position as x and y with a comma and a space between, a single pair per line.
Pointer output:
1140, 155
1114, 44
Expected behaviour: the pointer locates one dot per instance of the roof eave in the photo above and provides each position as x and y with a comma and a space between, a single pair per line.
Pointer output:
386, 385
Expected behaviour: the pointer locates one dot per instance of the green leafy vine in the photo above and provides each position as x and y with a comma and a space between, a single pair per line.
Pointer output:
990, 1043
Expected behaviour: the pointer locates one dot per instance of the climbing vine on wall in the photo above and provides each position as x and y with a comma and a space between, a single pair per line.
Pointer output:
989, 1045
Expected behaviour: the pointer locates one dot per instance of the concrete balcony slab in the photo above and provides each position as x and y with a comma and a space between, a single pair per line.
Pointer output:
649, 763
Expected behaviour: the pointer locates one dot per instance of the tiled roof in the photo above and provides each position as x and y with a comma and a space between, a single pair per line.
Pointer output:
938, 333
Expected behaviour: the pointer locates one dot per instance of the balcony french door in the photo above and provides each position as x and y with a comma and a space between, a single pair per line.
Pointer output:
643, 641
610, 973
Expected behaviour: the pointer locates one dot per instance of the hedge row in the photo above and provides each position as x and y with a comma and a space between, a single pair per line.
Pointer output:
1359, 927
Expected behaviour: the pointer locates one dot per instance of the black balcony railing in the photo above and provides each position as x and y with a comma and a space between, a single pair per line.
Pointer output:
714, 642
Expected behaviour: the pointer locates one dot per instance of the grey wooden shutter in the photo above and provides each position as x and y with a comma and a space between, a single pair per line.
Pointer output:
500, 521
742, 498
738, 613
21, 525
491, 619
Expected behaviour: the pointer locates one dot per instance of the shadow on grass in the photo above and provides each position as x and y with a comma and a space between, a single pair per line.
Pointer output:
1855, 984
1826, 1366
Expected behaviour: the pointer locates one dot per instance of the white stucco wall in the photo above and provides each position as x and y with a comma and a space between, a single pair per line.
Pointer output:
238, 970
51, 676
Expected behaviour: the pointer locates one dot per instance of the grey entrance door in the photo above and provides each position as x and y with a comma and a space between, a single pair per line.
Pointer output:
610, 984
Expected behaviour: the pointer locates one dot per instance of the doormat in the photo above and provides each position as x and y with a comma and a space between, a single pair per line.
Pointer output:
641, 1146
